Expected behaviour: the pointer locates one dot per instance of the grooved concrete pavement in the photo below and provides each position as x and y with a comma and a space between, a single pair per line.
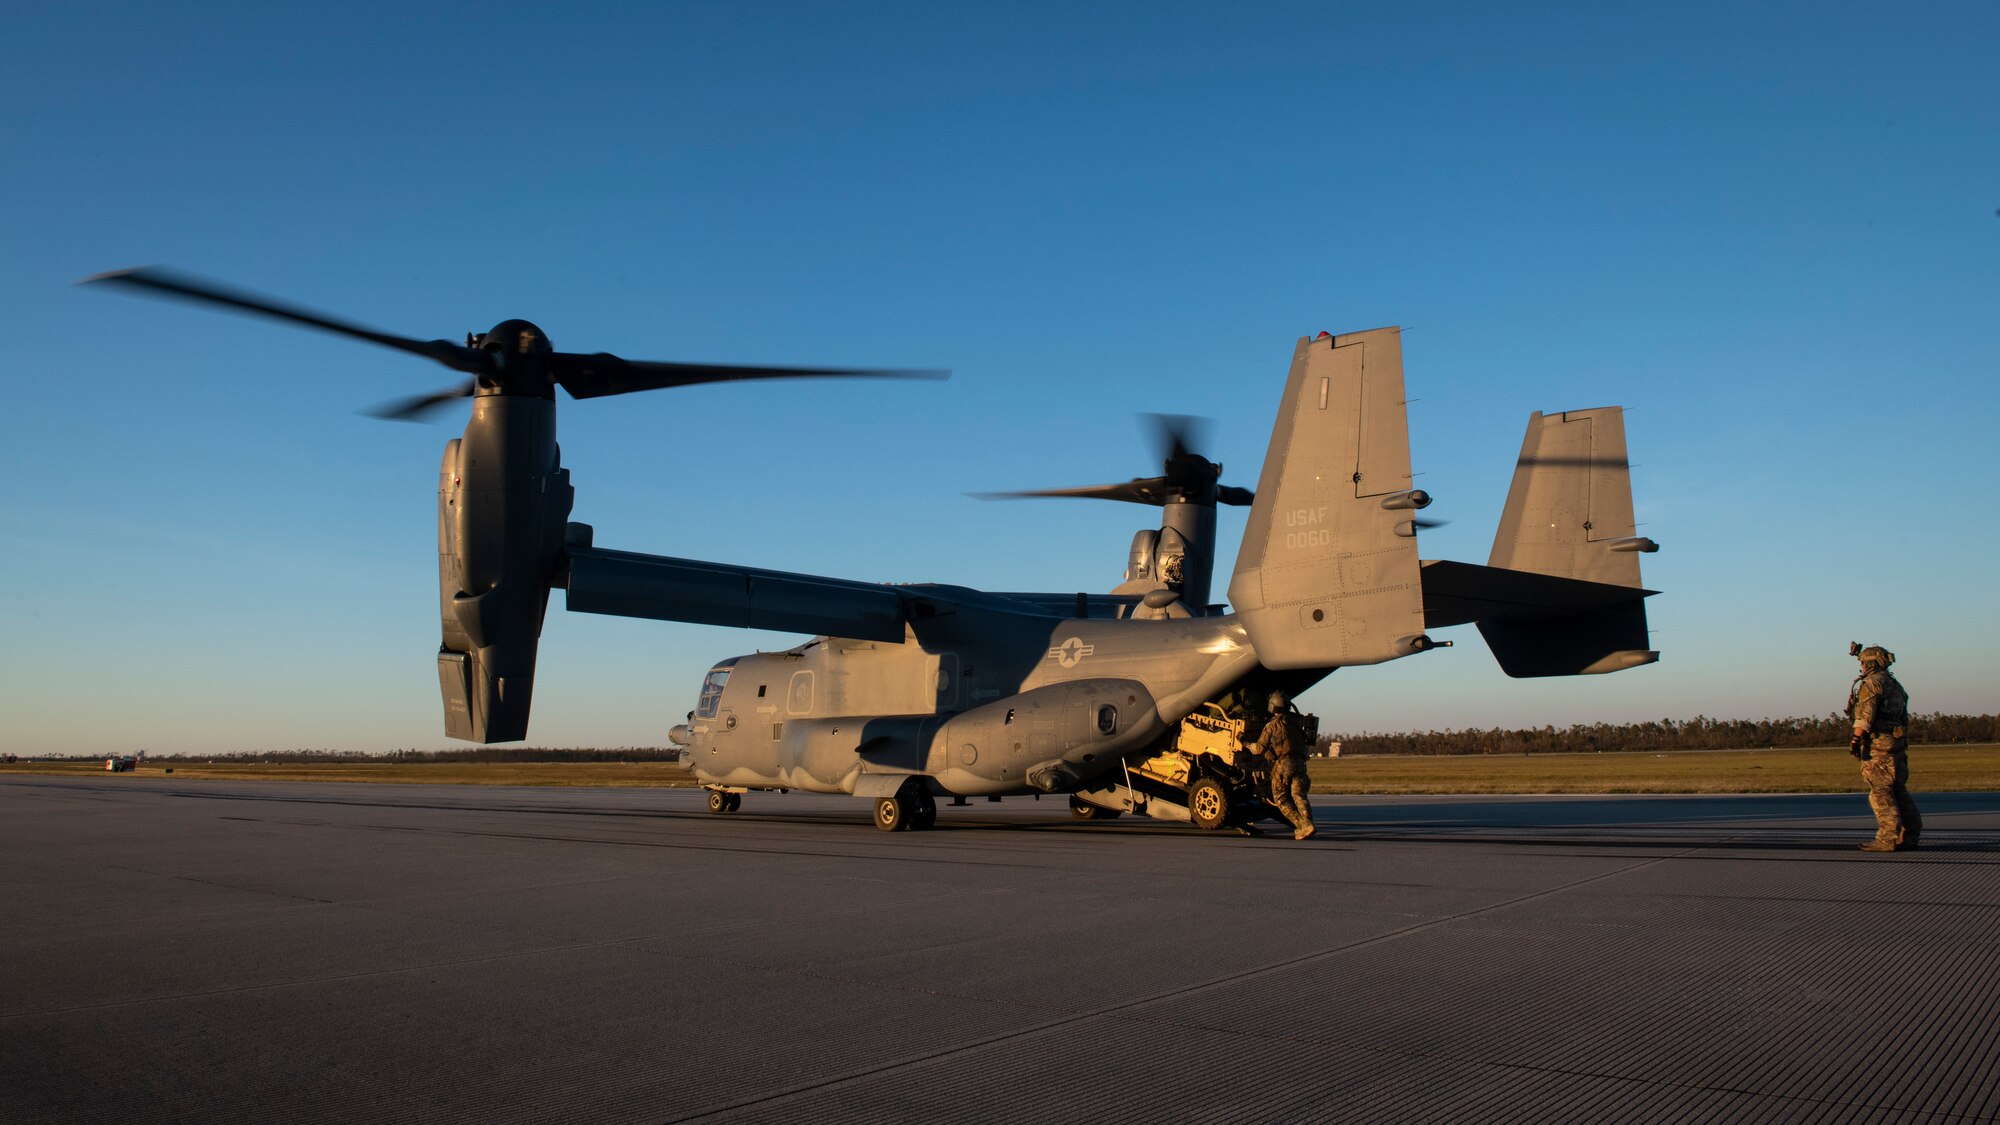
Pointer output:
263, 951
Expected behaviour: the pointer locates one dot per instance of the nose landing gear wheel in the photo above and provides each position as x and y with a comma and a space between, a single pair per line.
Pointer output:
721, 801
911, 808
1084, 810
891, 814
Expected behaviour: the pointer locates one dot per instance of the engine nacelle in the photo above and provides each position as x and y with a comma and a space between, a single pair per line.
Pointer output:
503, 500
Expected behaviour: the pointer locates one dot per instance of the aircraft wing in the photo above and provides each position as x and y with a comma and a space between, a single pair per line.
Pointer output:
1077, 605
629, 584
626, 584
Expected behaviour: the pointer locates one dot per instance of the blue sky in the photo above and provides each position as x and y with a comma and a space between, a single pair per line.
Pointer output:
1772, 232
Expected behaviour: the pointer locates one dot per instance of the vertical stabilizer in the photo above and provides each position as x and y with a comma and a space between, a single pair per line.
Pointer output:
1569, 511
1569, 516
1328, 572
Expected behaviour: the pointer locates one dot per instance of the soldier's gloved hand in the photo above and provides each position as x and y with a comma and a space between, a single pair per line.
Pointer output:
1858, 745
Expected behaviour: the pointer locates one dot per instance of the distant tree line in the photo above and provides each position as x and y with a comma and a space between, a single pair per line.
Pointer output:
1698, 733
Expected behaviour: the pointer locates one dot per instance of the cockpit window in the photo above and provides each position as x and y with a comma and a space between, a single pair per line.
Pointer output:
711, 694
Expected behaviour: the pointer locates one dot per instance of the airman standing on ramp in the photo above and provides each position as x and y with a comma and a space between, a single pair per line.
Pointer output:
1284, 742
1880, 711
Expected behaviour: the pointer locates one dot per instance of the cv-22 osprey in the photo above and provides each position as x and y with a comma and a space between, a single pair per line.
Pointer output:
965, 693
914, 692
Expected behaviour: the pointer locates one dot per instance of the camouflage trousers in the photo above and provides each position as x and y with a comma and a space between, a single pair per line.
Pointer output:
1289, 785
1887, 772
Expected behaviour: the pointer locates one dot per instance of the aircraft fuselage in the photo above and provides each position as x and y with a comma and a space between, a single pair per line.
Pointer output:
978, 703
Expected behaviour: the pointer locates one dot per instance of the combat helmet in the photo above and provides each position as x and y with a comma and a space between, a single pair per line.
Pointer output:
1277, 702
1875, 656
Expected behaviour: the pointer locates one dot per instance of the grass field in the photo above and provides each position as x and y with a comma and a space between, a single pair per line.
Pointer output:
1935, 769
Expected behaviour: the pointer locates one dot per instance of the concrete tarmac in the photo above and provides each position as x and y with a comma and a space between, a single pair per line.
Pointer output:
207, 951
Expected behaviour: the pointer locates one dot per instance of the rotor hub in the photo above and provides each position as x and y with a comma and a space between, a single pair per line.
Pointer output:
511, 337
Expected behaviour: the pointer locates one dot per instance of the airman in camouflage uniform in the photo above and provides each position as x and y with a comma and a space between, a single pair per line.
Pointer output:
1880, 711
1284, 742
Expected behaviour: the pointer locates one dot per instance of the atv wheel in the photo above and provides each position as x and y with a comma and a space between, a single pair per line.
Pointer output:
1208, 804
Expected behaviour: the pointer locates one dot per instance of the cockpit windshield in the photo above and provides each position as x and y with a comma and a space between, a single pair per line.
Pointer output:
711, 694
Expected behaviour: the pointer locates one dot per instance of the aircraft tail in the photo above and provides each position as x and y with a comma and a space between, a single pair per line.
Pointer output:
1560, 594
1328, 573
1569, 512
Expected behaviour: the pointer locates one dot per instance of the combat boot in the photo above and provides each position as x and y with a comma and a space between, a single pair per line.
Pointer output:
1305, 832
1878, 846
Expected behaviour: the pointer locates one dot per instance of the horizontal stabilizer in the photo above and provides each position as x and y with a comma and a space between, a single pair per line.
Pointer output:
1456, 593
1581, 644
1539, 625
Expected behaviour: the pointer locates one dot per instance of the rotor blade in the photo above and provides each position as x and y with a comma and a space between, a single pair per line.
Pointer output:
1176, 435
163, 282
591, 376
413, 408
1150, 491
1233, 496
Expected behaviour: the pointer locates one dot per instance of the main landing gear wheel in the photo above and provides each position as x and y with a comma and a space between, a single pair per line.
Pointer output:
1208, 804
923, 811
1084, 810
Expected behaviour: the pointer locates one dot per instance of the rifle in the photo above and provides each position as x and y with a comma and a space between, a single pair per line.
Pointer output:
1858, 744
